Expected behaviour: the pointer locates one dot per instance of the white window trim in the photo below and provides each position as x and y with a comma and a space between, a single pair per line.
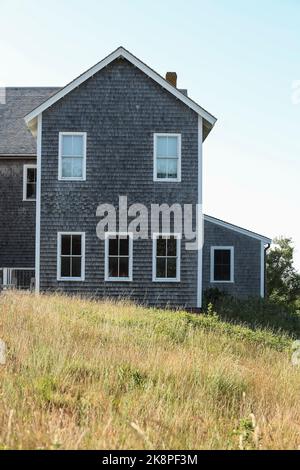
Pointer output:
166, 180
212, 264
155, 236
25, 168
71, 279
71, 178
108, 235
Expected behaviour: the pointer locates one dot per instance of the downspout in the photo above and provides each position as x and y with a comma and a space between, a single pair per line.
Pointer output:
265, 270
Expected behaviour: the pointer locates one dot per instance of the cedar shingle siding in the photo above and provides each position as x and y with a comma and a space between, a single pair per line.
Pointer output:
120, 108
17, 228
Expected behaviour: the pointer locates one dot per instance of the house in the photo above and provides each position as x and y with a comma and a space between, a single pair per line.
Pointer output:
119, 129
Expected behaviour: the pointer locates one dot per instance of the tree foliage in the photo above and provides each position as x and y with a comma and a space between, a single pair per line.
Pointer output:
283, 281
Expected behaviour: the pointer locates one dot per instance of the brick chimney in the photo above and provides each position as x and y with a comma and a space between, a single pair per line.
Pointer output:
171, 77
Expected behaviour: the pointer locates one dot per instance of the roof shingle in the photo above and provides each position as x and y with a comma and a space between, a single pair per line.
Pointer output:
15, 138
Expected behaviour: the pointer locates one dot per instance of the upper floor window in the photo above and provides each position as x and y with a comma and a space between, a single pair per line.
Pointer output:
222, 264
167, 157
166, 257
29, 183
70, 256
118, 257
72, 156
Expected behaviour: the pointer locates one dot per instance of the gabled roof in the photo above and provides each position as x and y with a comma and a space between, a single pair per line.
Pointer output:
15, 138
209, 119
238, 229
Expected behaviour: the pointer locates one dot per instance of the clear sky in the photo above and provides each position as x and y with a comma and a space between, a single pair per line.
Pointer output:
239, 60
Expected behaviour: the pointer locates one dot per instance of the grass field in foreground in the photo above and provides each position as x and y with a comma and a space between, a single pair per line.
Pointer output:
111, 375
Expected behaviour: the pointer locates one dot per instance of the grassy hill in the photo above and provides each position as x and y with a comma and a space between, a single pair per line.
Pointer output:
84, 374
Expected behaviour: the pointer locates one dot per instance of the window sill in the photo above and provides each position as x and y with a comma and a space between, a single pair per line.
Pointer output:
166, 180
70, 279
222, 282
71, 179
118, 279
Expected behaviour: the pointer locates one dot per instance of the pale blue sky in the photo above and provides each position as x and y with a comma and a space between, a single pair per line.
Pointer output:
238, 60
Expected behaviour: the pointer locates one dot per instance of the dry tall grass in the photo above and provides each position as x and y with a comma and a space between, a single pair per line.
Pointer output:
82, 374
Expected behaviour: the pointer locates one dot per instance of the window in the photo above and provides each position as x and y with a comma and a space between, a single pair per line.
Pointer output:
29, 183
71, 256
118, 257
222, 264
167, 157
166, 257
72, 156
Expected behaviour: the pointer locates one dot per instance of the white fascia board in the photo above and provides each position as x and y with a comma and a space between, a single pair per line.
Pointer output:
30, 118
235, 228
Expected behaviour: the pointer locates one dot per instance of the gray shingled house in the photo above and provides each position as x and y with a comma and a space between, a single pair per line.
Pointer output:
118, 129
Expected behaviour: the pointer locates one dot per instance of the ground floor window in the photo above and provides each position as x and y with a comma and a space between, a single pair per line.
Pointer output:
118, 257
29, 183
70, 256
166, 257
222, 264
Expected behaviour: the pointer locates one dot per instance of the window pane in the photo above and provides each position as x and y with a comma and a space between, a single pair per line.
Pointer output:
161, 267
171, 265
113, 246
113, 266
78, 145
124, 267
172, 147
31, 175
67, 167
76, 267
31, 191
172, 168
67, 145
66, 244
172, 246
162, 146
76, 244
222, 256
222, 272
124, 246
161, 246
65, 266
77, 167
162, 168
222, 261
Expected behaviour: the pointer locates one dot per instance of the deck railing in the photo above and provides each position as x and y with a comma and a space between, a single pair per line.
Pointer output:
17, 278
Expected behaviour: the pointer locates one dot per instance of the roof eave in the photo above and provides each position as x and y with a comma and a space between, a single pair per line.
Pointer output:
120, 52
238, 229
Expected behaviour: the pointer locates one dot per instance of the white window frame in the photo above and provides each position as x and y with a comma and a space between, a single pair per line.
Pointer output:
25, 171
70, 279
178, 237
166, 180
109, 235
71, 178
212, 264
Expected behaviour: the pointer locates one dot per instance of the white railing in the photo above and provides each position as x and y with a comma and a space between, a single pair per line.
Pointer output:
17, 278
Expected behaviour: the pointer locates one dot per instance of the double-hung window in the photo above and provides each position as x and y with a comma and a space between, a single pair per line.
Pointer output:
70, 256
29, 183
167, 157
118, 256
166, 257
222, 264
72, 156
